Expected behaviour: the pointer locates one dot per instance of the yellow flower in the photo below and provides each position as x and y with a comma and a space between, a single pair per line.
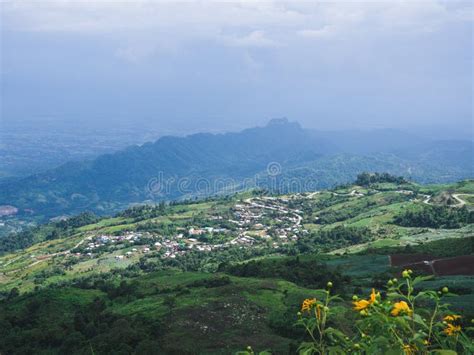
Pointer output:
308, 304
452, 329
451, 318
374, 295
318, 312
360, 305
409, 349
400, 307
363, 304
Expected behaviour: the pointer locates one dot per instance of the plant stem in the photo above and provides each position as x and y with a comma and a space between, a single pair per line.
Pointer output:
432, 320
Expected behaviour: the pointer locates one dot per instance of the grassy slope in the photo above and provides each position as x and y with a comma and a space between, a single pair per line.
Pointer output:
375, 211
219, 320
224, 319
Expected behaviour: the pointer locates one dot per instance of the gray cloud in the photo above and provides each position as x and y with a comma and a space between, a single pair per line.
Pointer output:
327, 64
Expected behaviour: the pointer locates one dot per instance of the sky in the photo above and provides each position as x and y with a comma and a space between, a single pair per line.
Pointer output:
204, 65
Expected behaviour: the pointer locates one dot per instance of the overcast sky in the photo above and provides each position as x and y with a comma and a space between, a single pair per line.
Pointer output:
227, 65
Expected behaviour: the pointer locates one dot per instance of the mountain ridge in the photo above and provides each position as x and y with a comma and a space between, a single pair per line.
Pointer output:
113, 181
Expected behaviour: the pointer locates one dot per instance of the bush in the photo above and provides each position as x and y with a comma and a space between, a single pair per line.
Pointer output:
403, 322
435, 217
309, 273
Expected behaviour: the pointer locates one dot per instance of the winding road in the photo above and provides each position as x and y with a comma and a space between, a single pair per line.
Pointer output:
42, 258
460, 201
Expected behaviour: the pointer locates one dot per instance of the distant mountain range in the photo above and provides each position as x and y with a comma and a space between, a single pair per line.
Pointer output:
280, 155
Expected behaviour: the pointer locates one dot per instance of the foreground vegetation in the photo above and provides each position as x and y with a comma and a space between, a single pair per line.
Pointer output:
392, 324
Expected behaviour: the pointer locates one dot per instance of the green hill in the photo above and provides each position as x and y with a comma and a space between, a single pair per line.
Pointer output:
217, 275
206, 164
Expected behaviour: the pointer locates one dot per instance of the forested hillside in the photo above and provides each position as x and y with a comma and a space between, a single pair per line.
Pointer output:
281, 156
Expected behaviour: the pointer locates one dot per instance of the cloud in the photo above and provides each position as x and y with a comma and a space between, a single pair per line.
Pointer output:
380, 58
245, 24
325, 32
210, 18
253, 39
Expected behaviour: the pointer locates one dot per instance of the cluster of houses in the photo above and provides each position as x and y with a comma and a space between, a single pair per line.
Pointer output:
251, 217
208, 230
94, 242
132, 252
243, 240
252, 214
169, 247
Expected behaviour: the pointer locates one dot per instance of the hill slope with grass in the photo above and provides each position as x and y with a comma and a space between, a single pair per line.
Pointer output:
217, 275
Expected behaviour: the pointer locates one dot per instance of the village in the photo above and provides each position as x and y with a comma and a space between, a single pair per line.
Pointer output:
259, 222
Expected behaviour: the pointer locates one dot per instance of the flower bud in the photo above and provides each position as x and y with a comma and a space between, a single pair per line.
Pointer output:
395, 280
405, 274
329, 284
390, 283
445, 289
355, 298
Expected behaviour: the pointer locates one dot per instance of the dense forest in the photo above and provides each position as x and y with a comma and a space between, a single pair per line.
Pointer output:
365, 179
435, 217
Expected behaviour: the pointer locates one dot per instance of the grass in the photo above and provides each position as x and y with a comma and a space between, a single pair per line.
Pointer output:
360, 265
218, 318
465, 186
468, 198
246, 311
103, 223
376, 213
222, 319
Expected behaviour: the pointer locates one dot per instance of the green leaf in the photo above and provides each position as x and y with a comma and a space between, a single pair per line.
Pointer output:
427, 294
336, 350
417, 319
419, 279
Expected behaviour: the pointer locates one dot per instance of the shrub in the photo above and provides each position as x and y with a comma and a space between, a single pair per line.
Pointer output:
403, 322
435, 217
